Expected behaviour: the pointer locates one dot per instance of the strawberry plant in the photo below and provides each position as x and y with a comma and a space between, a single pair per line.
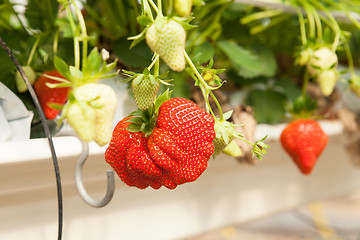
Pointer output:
186, 47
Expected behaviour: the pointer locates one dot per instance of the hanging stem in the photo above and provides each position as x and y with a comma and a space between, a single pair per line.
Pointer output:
83, 32
310, 18
32, 52
305, 83
156, 58
349, 58
56, 41
331, 22
159, 5
76, 42
317, 22
261, 15
302, 26
207, 90
154, 6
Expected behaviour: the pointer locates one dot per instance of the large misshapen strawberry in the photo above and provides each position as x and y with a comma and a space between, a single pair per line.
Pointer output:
175, 152
304, 141
49, 96
167, 38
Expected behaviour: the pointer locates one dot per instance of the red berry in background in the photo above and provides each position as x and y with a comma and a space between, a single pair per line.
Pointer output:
174, 153
304, 141
46, 95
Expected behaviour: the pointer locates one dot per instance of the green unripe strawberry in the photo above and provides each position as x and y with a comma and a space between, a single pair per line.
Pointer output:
327, 80
167, 38
103, 100
233, 149
145, 88
322, 59
219, 145
20, 84
82, 119
183, 7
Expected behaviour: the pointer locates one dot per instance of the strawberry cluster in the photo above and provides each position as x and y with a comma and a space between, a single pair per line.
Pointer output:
174, 153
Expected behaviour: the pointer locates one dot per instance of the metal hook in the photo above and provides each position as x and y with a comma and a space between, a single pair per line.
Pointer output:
80, 185
78, 177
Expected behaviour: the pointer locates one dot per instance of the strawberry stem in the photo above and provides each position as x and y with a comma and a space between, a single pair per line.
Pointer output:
305, 83
33, 49
302, 26
310, 18
156, 59
159, 5
349, 59
154, 6
206, 90
83, 31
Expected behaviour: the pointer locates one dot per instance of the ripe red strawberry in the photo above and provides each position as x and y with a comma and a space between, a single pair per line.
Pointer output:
174, 153
304, 141
47, 95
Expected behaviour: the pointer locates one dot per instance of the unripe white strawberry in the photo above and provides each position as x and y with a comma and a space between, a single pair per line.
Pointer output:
20, 84
183, 7
103, 100
82, 119
145, 89
327, 80
167, 38
233, 149
355, 84
322, 59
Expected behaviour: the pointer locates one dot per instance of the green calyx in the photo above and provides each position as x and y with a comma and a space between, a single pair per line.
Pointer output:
146, 74
94, 68
210, 75
225, 132
303, 107
145, 120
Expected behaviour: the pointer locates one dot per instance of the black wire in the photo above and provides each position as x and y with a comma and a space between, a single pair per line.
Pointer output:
47, 132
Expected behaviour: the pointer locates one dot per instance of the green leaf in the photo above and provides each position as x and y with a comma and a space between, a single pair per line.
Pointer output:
258, 60
62, 67
93, 62
75, 73
228, 114
136, 57
266, 59
288, 88
162, 98
180, 86
203, 53
137, 120
134, 128
244, 60
41, 14
144, 20
268, 105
